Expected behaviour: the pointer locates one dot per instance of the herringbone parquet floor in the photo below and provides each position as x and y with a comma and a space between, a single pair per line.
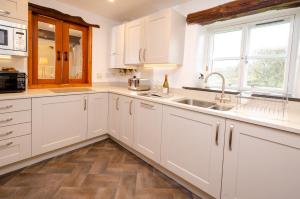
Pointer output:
103, 170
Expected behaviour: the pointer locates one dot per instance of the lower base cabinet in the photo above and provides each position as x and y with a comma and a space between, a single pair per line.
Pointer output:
97, 114
192, 148
58, 122
260, 163
126, 120
114, 116
147, 129
15, 149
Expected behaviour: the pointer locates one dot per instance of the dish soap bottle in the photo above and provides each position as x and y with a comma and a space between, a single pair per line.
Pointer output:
165, 87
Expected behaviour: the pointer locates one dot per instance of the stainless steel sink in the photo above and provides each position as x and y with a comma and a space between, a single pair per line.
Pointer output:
203, 104
221, 108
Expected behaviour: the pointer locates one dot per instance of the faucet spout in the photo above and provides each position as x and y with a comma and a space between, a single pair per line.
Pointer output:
223, 98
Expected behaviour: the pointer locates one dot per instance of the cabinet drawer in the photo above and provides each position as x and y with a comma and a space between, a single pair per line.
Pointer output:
15, 149
8, 132
7, 106
7, 119
8, 8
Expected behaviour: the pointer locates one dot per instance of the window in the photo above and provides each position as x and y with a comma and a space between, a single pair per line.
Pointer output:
252, 56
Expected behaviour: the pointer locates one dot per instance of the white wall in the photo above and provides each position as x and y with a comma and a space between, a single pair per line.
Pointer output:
101, 37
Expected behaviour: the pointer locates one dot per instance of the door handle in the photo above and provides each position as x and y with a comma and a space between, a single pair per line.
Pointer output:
217, 134
230, 137
58, 56
4, 12
85, 104
148, 106
117, 103
130, 107
6, 120
6, 107
66, 56
6, 134
144, 55
6, 145
140, 52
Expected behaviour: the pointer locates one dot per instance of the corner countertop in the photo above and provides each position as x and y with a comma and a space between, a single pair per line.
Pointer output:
292, 124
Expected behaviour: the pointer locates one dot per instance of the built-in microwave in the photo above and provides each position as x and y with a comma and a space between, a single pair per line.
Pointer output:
13, 38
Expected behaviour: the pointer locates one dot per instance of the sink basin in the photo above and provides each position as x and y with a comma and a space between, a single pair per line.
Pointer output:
203, 104
221, 108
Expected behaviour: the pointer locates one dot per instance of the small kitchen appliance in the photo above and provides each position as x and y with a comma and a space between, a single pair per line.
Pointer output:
138, 84
12, 82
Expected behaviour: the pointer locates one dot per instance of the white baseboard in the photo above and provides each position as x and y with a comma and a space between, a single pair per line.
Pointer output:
36, 159
171, 175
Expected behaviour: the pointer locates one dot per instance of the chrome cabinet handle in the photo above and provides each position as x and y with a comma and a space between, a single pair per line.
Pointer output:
6, 120
148, 106
230, 137
6, 107
6, 134
140, 52
85, 104
6, 145
117, 103
4, 12
217, 134
130, 107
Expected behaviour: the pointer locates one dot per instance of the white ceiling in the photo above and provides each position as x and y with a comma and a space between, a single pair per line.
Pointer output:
123, 10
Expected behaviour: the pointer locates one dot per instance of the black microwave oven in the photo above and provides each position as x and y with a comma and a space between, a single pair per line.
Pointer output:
12, 82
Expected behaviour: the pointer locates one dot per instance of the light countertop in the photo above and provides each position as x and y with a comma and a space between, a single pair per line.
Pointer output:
291, 124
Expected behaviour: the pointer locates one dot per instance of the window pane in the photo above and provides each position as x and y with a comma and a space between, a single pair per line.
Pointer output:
230, 70
266, 73
46, 51
227, 44
75, 54
268, 40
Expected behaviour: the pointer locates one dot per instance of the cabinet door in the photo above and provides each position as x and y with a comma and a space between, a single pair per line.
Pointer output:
114, 116
17, 9
75, 59
192, 148
134, 42
97, 114
126, 120
157, 42
58, 122
260, 163
147, 129
117, 47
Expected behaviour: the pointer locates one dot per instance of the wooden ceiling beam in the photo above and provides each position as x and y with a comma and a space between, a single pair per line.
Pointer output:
239, 8
49, 12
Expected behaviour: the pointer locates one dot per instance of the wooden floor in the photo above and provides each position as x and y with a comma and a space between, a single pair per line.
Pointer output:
103, 170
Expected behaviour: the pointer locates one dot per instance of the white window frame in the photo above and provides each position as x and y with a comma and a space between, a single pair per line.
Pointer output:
244, 24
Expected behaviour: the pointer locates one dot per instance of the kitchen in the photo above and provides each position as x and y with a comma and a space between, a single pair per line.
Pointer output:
149, 99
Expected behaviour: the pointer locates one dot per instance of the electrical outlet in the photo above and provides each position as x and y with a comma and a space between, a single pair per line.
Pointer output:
99, 76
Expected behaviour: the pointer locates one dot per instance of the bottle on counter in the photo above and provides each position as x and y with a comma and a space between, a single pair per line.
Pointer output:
165, 87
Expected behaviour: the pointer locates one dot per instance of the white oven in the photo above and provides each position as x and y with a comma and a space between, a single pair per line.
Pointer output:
13, 39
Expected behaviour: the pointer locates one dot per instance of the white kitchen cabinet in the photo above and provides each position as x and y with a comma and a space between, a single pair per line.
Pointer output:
134, 42
260, 163
16, 9
97, 114
156, 39
126, 120
15, 149
114, 116
58, 122
147, 129
117, 47
192, 147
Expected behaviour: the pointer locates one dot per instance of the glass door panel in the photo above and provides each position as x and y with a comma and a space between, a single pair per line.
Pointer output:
75, 61
48, 48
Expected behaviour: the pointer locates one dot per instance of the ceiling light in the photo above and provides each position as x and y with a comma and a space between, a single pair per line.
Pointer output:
111, 1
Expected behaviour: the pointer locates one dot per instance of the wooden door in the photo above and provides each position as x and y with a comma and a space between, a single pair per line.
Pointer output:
47, 53
126, 120
260, 163
192, 147
74, 53
147, 129
134, 42
58, 122
97, 114
114, 116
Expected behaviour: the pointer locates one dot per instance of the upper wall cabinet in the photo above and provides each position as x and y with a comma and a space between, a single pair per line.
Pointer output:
16, 9
117, 47
155, 39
